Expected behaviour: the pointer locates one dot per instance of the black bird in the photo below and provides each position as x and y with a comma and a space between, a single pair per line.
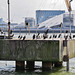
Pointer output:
59, 35
19, 36
37, 37
12, 35
34, 36
50, 37
73, 36
55, 36
66, 31
46, 31
66, 37
24, 37
45, 36
1, 31
70, 37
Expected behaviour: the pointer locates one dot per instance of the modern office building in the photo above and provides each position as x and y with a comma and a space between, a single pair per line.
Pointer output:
31, 21
67, 20
43, 15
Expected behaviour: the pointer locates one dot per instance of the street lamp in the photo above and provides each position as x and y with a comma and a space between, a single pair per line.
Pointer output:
70, 15
8, 19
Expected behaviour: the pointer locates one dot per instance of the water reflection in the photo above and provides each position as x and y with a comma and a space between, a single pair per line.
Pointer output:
56, 71
9, 69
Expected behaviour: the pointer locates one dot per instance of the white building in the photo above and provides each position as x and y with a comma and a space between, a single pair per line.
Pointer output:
4, 25
57, 20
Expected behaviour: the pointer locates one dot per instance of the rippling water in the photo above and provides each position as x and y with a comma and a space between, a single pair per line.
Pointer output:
8, 67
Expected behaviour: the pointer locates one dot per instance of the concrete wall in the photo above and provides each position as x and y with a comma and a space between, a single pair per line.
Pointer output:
71, 48
30, 50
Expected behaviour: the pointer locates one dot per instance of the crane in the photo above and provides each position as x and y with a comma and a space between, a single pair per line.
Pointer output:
68, 5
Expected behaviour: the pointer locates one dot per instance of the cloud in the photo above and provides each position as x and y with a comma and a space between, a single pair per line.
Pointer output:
27, 8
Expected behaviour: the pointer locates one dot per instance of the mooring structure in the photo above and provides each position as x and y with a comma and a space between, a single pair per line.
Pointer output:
50, 52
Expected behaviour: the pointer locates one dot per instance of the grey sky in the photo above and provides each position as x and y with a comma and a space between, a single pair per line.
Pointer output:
27, 8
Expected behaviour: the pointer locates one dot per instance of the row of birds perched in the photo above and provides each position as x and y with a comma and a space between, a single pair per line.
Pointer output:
59, 36
52, 36
3, 32
35, 36
45, 36
21, 37
5, 37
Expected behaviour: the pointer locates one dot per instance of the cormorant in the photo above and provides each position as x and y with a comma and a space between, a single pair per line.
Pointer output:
73, 36
1, 31
59, 35
12, 35
46, 31
45, 34
55, 36
24, 37
20, 37
34, 36
50, 37
70, 37
37, 37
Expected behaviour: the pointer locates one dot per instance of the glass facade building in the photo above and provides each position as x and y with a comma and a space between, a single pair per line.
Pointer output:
68, 20
42, 15
31, 21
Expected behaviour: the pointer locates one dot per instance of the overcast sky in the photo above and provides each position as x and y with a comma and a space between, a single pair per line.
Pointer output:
27, 8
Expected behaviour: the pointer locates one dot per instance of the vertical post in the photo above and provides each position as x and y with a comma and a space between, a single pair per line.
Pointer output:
30, 65
61, 30
67, 53
66, 57
46, 65
70, 15
70, 19
20, 65
58, 64
28, 28
8, 20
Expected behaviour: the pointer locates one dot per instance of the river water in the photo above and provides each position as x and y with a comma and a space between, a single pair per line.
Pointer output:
8, 67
